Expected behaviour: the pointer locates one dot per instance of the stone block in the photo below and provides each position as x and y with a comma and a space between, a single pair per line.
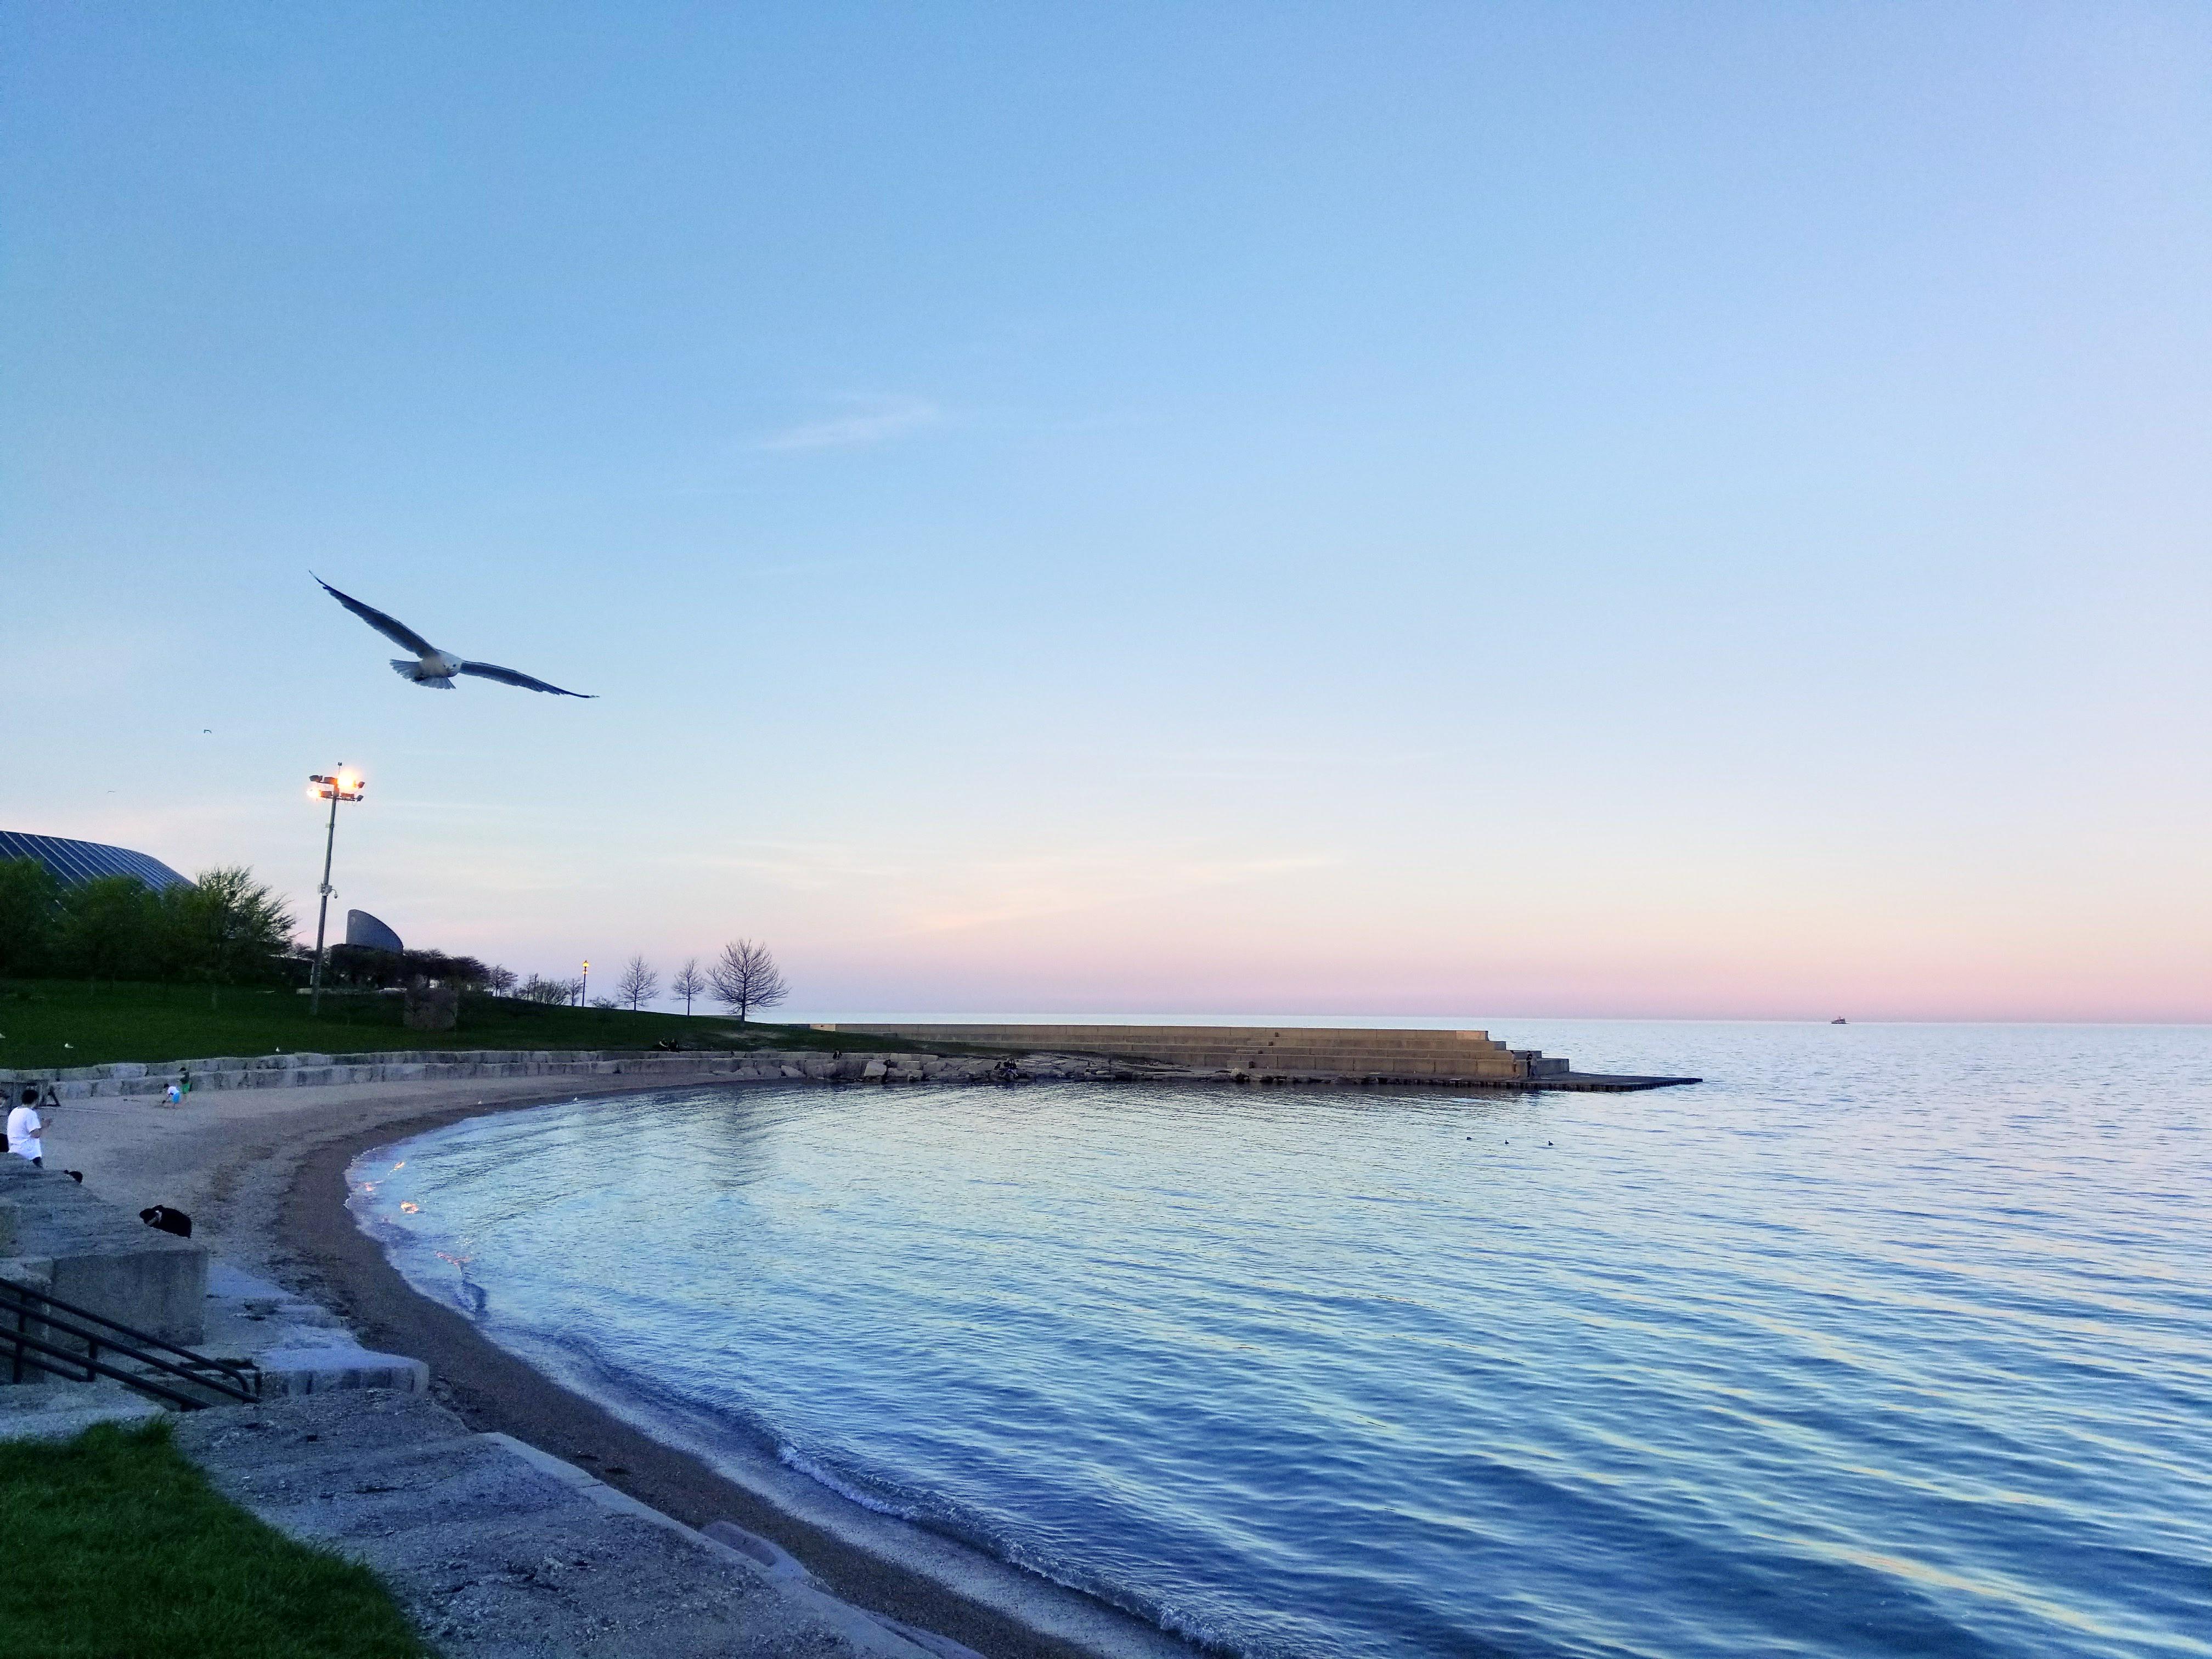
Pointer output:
159, 1291
336, 1369
103, 1258
431, 1007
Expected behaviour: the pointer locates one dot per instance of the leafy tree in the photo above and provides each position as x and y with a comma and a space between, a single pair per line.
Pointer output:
687, 983
108, 928
225, 927
745, 977
28, 898
638, 985
445, 970
361, 965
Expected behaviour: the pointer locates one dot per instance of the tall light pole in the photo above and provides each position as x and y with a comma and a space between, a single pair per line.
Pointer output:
584, 985
335, 787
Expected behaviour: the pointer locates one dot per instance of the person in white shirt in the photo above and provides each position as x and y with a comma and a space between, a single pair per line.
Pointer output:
25, 1126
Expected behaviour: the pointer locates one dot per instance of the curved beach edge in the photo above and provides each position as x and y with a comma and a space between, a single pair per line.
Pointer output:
878, 1563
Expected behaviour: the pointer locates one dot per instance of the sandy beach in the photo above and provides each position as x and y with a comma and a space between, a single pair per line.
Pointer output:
261, 1172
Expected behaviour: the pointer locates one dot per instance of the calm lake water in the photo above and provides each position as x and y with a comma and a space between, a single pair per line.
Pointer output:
1886, 1339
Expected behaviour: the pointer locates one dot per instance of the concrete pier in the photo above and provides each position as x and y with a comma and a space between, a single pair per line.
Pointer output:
1288, 1054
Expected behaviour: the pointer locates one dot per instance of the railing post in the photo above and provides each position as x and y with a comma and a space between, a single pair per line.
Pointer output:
49, 1353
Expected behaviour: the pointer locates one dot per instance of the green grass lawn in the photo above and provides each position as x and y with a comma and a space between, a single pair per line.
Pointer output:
115, 1547
75, 1022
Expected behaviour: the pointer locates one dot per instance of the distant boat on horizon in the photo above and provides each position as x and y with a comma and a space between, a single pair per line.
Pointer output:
1839, 1020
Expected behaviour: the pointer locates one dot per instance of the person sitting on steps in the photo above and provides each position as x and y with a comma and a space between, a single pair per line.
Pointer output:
26, 1127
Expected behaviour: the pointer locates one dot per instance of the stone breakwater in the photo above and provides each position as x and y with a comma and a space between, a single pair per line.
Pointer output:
1290, 1054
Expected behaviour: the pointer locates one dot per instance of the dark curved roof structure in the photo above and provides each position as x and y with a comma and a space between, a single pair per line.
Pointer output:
75, 862
365, 930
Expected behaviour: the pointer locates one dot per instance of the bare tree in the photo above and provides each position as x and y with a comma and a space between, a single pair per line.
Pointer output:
687, 983
744, 977
638, 985
551, 991
502, 981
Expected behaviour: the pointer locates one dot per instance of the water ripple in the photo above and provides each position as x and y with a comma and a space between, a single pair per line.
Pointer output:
1888, 1341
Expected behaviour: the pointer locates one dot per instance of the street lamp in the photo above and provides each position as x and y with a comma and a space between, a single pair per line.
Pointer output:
334, 787
584, 987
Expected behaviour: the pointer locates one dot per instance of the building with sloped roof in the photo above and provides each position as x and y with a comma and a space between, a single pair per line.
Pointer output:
73, 863
364, 930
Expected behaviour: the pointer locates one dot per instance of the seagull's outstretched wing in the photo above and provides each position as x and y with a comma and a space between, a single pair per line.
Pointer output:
391, 626
492, 671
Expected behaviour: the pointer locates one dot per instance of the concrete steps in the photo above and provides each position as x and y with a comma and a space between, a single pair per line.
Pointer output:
498, 1551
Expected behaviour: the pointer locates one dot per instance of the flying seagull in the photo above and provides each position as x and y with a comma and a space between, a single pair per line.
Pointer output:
432, 666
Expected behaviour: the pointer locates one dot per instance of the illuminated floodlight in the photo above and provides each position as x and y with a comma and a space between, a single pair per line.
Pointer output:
334, 787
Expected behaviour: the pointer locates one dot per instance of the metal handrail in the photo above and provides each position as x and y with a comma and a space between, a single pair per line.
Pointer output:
86, 1367
238, 1380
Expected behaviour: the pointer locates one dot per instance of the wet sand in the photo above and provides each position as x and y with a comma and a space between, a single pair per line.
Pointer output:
262, 1173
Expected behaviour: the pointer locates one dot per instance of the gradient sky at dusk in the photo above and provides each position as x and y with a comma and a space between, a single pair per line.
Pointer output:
1411, 510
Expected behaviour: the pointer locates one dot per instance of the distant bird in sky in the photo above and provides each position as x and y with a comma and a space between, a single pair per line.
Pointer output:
432, 666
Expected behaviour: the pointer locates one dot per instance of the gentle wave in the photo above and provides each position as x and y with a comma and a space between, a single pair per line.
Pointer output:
1911, 1359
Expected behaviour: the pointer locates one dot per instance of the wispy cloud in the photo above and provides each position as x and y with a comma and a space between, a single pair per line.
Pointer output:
867, 420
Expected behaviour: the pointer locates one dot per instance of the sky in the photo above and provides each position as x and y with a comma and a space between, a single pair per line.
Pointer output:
1423, 510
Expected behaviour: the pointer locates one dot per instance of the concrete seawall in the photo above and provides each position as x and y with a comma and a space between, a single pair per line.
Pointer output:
128, 1079
1420, 1056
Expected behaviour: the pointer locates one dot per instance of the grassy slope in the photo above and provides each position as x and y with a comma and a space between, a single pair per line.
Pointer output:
69, 1022
114, 1543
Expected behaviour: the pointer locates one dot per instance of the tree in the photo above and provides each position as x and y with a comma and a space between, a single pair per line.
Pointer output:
689, 984
108, 928
551, 991
744, 977
638, 985
500, 980
465, 971
225, 926
357, 965
28, 898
